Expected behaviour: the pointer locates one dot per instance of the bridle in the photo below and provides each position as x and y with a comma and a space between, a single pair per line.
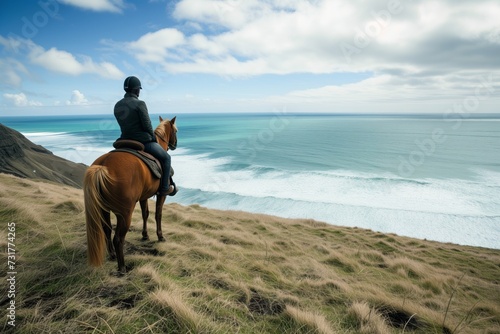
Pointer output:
170, 145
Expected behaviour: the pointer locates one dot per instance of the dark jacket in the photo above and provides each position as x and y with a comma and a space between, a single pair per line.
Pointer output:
133, 118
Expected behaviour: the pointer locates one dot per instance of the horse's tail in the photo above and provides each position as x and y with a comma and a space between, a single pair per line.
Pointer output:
95, 188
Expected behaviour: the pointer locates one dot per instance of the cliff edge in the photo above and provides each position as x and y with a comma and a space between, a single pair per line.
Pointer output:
22, 158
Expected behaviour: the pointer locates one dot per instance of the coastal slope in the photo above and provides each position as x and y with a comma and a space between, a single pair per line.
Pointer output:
20, 157
235, 272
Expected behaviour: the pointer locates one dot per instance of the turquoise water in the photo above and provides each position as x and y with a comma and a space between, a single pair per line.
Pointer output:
424, 177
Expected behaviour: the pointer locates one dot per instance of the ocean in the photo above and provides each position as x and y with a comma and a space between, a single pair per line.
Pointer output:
422, 176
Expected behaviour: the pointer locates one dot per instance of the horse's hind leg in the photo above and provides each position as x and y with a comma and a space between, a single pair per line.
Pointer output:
122, 225
145, 215
106, 226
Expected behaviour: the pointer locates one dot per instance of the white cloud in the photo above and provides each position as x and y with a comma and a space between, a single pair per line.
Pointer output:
20, 100
228, 14
57, 60
382, 88
155, 46
64, 62
254, 37
12, 71
114, 6
77, 99
392, 93
416, 51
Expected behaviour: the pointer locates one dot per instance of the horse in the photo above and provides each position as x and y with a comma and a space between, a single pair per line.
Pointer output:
115, 182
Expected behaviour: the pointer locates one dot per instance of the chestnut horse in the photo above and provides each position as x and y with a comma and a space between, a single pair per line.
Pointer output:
115, 182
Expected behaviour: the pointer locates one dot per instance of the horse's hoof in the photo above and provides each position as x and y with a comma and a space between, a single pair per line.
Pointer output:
145, 238
161, 239
119, 273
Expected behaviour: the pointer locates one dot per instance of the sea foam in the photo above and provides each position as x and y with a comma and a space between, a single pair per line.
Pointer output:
446, 210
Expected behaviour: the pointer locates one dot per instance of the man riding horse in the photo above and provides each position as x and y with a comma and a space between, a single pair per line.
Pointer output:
117, 180
135, 124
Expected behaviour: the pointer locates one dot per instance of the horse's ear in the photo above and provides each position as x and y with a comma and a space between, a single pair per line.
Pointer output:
161, 119
173, 120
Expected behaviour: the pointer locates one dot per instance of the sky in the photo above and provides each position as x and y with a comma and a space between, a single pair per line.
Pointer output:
318, 56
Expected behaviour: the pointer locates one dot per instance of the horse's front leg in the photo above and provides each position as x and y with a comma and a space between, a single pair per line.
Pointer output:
160, 200
145, 215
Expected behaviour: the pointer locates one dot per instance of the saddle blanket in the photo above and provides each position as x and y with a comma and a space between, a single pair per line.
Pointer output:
152, 163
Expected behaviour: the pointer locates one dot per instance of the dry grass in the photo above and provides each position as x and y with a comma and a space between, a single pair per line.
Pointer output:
235, 272
173, 304
367, 319
304, 319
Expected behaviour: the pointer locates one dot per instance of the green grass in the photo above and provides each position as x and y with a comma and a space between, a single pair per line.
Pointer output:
234, 272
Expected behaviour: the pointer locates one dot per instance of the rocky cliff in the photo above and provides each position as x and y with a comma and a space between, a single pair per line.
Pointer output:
21, 157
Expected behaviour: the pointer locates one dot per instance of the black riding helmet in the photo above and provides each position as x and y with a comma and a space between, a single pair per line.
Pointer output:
131, 83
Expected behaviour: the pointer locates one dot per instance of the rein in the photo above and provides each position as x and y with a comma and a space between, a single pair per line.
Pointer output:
170, 146
162, 138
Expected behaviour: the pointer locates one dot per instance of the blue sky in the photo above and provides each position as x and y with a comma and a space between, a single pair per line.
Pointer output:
338, 56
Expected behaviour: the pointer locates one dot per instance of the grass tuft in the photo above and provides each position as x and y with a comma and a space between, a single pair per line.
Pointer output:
172, 302
367, 320
316, 323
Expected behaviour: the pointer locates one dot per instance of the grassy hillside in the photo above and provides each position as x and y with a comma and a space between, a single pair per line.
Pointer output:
234, 272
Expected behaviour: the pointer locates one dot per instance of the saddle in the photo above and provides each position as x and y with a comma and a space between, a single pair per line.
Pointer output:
137, 148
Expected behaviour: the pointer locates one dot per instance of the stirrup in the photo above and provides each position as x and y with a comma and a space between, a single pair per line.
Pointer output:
175, 189
170, 190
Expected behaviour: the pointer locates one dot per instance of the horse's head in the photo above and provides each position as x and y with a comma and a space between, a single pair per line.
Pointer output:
166, 131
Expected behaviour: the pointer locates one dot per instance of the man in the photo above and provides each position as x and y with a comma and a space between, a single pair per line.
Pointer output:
133, 118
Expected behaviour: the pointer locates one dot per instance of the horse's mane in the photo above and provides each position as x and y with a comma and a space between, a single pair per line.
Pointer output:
160, 129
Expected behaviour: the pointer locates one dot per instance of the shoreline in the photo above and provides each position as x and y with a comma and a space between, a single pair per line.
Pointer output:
268, 216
